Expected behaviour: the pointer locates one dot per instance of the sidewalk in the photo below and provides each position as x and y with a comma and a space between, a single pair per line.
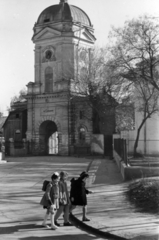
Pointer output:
21, 215
109, 210
21, 181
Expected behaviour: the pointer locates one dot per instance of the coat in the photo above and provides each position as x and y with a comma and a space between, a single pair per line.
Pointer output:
78, 192
51, 195
64, 194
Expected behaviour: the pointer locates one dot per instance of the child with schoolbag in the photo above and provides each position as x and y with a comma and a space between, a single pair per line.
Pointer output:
50, 199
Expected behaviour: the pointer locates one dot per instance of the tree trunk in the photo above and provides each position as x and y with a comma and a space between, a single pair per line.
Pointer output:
138, 135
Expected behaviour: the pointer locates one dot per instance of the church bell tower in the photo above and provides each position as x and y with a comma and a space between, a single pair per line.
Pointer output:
60, 34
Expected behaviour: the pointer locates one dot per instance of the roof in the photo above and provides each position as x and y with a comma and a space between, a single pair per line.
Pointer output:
2, 120
64, 12
18, 110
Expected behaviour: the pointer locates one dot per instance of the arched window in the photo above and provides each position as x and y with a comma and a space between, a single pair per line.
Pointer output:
48, 80
81, 114
83, 72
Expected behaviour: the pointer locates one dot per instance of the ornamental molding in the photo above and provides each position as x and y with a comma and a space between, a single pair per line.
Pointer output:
46, 33
44, 50
49, 118
44, 96
85, 35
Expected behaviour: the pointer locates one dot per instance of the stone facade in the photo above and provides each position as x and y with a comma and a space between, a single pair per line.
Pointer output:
50, 110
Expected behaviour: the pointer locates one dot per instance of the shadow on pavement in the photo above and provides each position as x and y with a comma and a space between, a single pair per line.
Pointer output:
92, 230
12, 229
62, 237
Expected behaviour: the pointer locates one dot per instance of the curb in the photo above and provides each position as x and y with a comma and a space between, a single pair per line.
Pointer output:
92, 230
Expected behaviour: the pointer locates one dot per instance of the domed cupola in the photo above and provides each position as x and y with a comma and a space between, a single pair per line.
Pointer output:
63, 20
63, 12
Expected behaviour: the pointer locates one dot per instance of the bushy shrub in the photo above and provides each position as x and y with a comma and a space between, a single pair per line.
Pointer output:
144, 194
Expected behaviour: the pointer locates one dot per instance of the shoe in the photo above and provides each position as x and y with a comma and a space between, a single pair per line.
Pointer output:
67, 224
46, 226
54, 227
85, 219
57, 224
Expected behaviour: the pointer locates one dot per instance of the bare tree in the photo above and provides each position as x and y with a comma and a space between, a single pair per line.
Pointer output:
146, 104
18, 97
97, 81
135, 49
134, 53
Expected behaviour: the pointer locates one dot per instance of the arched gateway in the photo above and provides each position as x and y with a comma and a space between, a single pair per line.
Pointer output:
48, 137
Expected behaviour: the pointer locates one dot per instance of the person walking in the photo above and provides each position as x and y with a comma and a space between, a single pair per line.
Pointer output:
78, 194
64, 200
50, 201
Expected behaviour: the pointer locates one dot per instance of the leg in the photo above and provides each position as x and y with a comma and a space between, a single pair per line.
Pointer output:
84, 211
45, 219
72, 207
66, 213
85, 214
66, 216
58, 213
52, 211
53, 226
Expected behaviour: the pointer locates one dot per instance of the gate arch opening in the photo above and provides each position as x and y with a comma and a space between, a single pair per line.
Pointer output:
48, 137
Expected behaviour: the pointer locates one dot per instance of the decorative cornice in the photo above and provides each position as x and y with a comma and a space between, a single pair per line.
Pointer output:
44, 96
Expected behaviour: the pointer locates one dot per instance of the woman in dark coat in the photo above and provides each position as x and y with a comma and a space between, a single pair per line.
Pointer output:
78, 193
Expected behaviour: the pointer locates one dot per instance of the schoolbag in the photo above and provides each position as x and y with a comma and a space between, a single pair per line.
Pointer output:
44, 186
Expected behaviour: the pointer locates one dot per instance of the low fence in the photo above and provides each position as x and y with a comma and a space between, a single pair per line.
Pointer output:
23, 148
120, 146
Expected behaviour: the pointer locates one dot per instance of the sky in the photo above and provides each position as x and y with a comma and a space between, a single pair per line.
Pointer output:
17, 18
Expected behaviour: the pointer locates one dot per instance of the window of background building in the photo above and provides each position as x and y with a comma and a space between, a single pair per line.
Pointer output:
18, 139
48, 80
81, 114
82, 134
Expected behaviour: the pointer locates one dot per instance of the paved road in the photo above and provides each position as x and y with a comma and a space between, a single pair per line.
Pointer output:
20, 183
21, 215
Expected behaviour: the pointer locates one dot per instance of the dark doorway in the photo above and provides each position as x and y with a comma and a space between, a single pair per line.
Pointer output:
49, 137
108, 145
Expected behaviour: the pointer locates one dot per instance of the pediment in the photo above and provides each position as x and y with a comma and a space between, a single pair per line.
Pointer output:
89, 36
86, 35
46, 33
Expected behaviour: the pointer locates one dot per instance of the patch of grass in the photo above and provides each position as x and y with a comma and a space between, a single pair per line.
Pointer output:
144, 194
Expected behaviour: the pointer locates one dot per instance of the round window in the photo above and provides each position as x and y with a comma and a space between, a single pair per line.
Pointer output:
48, 54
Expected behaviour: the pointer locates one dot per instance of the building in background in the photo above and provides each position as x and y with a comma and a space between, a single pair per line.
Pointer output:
59, 122
61, 32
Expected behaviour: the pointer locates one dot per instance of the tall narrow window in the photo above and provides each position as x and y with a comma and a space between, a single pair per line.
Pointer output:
48, 80
81, 114
82, 134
